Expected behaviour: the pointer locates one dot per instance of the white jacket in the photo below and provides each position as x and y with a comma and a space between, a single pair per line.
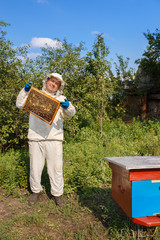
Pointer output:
40, 130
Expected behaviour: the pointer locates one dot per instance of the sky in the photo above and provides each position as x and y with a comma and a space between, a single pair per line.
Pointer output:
122, 23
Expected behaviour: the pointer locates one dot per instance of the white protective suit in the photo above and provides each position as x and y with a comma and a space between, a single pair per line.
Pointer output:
45, 142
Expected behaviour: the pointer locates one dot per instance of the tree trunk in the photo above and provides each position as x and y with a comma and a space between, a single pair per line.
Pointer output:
101, 119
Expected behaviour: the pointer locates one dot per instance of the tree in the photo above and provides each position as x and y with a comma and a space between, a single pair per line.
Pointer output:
149, 64
100, 85
124, 74
67, 61
13, 123
91, 85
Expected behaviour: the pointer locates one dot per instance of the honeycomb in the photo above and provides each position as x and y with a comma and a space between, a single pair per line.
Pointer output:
41, 105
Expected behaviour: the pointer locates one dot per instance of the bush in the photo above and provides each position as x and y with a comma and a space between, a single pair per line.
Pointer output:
14, 168
84, 164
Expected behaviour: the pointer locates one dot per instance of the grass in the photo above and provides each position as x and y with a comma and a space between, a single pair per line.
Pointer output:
95, 217
46, 221
89, 212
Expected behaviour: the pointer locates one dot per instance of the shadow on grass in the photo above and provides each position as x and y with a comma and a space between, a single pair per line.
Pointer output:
101, 203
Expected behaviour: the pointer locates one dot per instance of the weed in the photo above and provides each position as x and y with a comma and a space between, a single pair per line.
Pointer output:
92, 214
80, 235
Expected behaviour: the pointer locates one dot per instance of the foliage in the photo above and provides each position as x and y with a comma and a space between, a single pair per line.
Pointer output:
85, 174
153, 50
100, 85
149, 64
14, 168
13, 123
97, 95
67, 61
91, 86
84, 166
123, 81
125, 75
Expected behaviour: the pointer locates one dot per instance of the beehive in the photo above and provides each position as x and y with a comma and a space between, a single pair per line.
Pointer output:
136, 187
41, 105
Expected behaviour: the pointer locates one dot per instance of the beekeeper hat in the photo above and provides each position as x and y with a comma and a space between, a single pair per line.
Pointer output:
58, 77
55, 75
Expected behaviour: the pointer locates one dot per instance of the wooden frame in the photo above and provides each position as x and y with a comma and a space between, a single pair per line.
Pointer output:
41, 105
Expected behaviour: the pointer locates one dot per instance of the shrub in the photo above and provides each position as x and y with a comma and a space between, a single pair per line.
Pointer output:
14, 168
84, 164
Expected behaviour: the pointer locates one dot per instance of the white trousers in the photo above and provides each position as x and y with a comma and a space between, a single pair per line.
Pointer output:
52, 152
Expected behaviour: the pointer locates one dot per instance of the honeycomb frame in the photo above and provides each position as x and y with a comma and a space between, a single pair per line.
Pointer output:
41, 105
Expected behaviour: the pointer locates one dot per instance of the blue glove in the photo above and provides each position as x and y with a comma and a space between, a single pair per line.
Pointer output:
65, 104
27, 86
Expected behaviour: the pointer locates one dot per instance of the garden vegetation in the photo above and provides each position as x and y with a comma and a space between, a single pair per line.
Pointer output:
96, 131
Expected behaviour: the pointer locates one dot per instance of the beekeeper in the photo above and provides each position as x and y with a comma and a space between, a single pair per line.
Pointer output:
45, 141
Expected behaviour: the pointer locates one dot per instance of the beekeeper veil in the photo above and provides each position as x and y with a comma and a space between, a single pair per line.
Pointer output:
58, 77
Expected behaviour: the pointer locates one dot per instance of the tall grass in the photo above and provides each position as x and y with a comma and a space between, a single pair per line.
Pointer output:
14, 170
85, 172
84, 166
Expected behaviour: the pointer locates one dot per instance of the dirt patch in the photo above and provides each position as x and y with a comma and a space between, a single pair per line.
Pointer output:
47, 221
8, 205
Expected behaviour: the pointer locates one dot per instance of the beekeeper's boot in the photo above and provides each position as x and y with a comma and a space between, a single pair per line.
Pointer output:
59, 201
34, 198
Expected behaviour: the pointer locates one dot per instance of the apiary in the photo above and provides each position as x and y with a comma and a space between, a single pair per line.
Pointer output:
41, 105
